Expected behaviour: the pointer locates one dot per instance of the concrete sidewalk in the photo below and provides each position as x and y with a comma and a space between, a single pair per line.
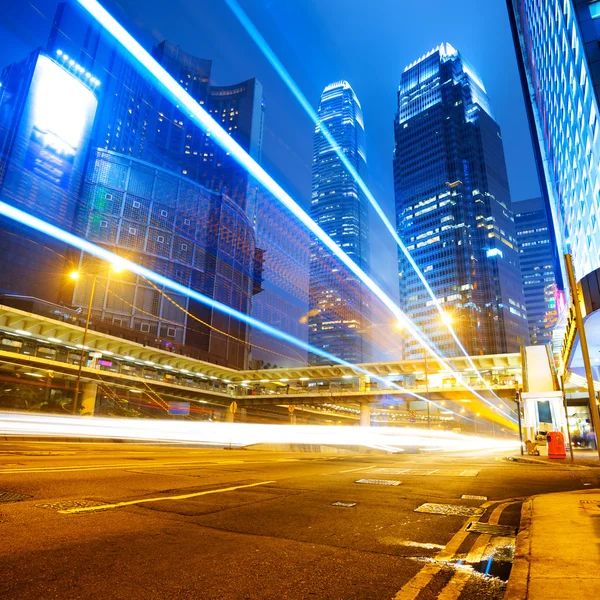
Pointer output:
558, 548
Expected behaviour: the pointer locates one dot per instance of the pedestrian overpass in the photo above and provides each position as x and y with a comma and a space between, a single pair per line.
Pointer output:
46, 354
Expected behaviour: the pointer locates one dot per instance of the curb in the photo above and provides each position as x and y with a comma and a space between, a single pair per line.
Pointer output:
518, 582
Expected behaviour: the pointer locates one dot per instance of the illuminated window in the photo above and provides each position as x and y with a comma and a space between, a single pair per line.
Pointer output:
595, 10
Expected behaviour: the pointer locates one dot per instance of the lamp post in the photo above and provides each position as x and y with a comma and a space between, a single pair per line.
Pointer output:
75, 276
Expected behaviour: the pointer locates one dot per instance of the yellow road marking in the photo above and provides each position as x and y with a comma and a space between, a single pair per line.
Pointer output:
455, 586
413, 588
143, 500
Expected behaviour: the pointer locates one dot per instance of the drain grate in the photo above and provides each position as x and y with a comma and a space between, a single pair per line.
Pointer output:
450, 509
6, 497
344, 504
379, 481
472, 497
67, 504
490, 529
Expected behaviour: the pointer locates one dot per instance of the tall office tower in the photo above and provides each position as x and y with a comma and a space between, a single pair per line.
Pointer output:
339, 316
557, 45
454, 211
537, 267
47, 108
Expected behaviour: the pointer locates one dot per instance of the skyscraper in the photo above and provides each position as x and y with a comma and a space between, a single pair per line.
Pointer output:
537, 267
454, 211
339, 309
557, 45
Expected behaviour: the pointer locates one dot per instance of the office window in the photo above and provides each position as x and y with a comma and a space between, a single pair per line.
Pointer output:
595, 10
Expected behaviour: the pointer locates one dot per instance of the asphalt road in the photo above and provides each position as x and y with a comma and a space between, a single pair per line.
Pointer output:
131, 521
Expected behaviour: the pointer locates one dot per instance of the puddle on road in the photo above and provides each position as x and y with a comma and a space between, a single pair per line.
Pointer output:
495, 565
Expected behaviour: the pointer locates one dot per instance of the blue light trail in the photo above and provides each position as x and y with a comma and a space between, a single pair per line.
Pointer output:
55, 232
256, 36
173, 90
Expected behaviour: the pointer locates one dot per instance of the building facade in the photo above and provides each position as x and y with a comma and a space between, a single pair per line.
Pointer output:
558, 54
175, 227
283, 302
537, 268
339, 314
454, 210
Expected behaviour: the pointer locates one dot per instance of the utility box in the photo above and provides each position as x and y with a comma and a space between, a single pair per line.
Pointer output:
556, 445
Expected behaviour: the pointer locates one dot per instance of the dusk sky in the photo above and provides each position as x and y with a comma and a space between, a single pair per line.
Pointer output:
320, 41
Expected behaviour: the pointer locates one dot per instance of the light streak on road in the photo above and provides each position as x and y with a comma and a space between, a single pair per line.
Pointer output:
391, 439
260, 41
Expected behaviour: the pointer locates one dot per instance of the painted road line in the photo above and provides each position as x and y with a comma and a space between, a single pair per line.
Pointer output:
351, 470
421, 580
160, 498
137, 465
455, 586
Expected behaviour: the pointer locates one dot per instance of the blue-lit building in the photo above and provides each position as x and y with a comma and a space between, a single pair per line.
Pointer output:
283, 302
537, 267
339, 313
558, 51
454, 209
175, 227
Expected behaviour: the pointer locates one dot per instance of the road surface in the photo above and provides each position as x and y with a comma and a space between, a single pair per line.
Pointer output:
141, 521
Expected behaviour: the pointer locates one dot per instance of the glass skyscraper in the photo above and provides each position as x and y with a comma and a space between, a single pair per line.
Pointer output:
558, 53
339, 317
537, 267
454, 210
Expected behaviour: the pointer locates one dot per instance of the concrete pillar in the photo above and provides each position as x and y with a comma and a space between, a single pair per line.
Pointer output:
228, 416
292, 419
88, 398
365, 414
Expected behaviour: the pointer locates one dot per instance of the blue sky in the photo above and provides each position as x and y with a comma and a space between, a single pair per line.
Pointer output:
320, 41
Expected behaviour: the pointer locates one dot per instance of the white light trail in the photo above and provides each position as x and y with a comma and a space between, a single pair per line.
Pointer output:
253, 32
392, 439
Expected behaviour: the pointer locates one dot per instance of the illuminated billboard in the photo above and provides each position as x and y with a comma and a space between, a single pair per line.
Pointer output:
62, 110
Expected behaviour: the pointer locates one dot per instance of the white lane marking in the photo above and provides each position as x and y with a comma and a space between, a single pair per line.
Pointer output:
352, 470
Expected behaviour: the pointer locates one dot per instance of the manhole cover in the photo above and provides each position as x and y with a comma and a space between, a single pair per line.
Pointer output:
12, 497
67, 504
471, 497
490, 529
344, 504
450, 509
379, 481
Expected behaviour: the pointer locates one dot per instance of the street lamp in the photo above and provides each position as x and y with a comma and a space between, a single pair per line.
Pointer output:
75, 275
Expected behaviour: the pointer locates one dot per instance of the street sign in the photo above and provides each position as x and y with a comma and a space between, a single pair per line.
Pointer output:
179, 408
291, 408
